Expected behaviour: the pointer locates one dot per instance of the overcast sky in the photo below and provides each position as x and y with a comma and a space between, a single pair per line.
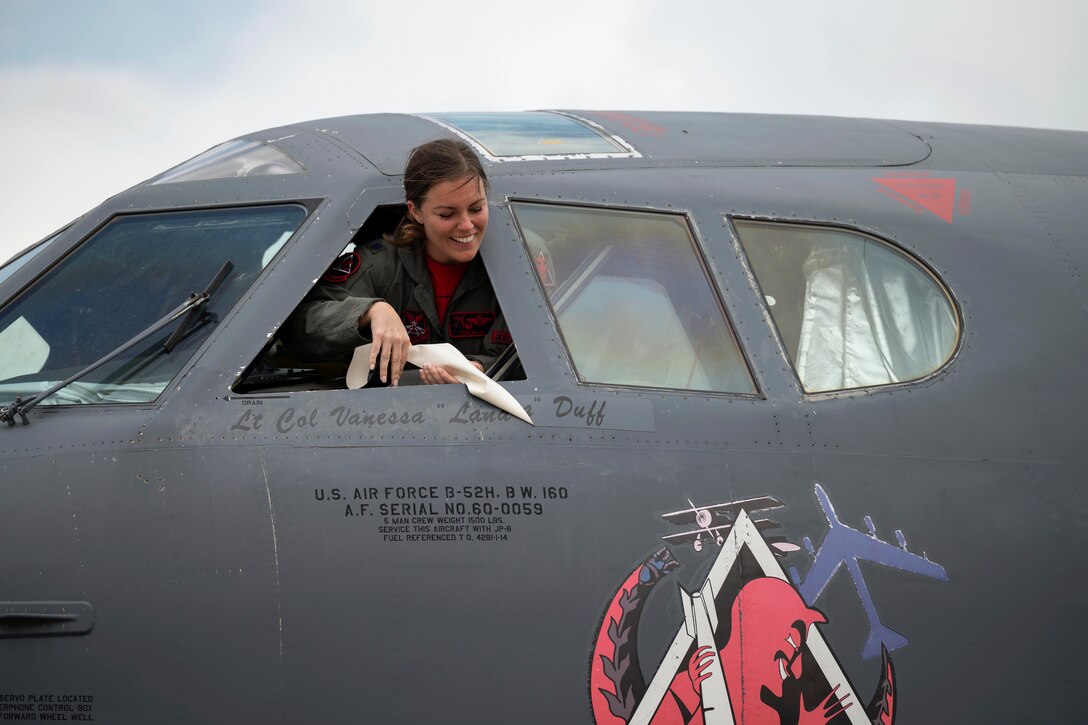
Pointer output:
97, 95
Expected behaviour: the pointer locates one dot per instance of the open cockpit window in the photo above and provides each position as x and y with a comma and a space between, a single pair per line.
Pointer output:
122, 280
852, 311
316, 344
632, 298
232, 160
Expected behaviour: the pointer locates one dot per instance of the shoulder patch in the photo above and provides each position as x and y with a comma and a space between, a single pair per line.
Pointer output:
375, 246
345, 266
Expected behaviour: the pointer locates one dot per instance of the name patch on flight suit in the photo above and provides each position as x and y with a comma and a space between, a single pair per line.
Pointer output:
471, 324
415, 324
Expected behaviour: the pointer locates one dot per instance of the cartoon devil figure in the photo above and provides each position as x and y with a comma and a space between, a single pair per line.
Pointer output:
748, 653
758, 672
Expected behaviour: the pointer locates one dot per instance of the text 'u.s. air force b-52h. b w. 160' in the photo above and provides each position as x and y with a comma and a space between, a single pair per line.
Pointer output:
808, 441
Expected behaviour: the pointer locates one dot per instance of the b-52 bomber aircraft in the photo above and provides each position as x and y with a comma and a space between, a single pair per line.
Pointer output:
737, 338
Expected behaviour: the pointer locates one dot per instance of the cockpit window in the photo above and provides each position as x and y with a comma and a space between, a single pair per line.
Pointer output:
232, 160
632, 298
852, 311
16, 263
131, 273
533, 135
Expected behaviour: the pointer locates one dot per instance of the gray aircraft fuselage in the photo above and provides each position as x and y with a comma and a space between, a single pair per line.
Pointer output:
296, 552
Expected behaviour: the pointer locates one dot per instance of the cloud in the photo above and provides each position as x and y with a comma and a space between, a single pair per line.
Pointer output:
59, 139
75, 132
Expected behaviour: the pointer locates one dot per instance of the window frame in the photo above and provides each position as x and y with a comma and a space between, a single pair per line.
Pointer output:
188, 171
381, 219
20, 259
711, 277
916, 261
310, 206
624, 149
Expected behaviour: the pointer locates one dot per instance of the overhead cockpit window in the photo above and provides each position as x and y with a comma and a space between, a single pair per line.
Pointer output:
232, 160
633, 301
533, 135
121, 282
852, 311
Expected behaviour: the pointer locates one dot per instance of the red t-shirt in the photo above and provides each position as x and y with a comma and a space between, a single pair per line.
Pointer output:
444, 279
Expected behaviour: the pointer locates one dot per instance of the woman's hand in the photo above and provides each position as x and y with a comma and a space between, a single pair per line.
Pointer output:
389, 340
432, 374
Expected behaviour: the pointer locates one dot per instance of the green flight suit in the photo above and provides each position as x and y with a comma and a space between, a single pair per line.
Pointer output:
325, 326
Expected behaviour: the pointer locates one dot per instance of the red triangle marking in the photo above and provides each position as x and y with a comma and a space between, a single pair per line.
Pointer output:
934, 195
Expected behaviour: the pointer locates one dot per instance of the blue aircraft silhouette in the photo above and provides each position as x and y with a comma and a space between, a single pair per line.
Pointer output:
845, 545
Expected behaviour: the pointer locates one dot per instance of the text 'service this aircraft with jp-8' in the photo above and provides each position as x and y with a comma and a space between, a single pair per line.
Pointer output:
807, 437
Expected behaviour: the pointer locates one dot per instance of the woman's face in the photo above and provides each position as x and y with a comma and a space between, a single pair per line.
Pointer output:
454, 218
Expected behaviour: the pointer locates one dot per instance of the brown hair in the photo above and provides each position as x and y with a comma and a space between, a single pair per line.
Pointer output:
443, 159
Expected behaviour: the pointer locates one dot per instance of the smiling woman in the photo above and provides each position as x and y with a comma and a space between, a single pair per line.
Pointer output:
423, 284
453, 216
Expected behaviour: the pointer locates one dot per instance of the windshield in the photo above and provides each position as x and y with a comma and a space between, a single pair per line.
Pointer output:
132, 272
